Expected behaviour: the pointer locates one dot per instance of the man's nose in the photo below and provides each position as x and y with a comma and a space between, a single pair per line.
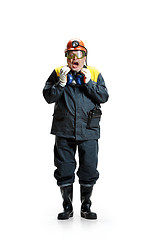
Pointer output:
75, 57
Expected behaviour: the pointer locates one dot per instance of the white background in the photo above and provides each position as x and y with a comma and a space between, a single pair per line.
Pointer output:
123, 41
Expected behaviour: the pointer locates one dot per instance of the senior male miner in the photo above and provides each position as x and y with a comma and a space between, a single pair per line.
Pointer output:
77, 91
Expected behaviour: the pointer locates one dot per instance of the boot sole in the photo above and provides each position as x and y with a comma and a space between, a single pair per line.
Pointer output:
93, 217
65, 217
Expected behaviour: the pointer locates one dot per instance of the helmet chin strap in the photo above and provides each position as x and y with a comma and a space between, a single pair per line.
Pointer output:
86, 61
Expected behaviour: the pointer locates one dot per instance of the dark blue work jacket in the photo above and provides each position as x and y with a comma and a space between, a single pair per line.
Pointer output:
73, 105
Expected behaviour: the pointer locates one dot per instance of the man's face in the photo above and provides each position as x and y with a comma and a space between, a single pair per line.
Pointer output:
74, 62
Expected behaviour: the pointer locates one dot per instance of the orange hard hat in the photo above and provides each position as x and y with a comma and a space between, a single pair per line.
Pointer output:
75, 44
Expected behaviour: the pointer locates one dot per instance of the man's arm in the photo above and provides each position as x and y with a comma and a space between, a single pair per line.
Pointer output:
52, 89
97, 91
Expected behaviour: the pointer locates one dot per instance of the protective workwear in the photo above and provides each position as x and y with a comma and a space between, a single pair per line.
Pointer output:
76, 44
65, 162
75, 123
73, 104
86, 192
63, 76
77, 54
87, 75
67, 195
74, 78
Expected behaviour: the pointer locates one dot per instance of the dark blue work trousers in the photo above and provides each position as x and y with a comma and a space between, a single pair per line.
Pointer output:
64, 159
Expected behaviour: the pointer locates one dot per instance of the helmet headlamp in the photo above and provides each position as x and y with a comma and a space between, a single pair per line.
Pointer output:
75, 43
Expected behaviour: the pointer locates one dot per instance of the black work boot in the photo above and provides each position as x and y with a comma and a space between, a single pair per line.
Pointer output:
86, 193
67, 195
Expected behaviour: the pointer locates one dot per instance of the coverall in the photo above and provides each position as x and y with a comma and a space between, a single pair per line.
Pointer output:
73, 127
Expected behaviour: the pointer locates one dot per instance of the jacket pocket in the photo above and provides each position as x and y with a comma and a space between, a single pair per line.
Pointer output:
93, 122
94, 118
59, 122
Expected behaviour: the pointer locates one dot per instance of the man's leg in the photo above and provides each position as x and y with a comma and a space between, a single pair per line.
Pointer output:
64, 160
88, 175
88, 160
64, 153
